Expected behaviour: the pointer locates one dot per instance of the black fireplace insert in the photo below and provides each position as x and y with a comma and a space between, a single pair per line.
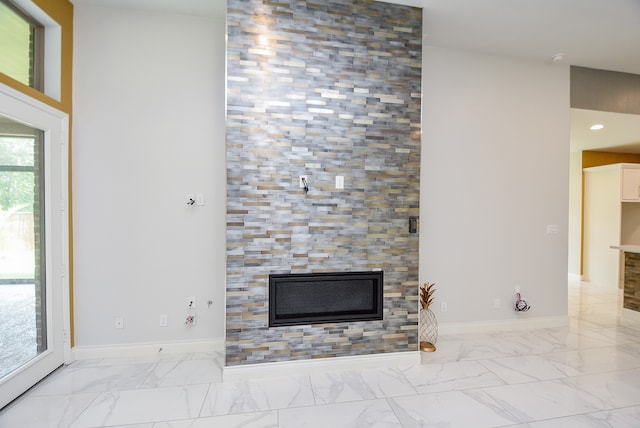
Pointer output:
312, 298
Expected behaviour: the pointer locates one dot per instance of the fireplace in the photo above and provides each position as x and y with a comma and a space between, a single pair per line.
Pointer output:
312, 298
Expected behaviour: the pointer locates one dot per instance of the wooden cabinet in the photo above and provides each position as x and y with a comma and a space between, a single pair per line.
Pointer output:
630, 183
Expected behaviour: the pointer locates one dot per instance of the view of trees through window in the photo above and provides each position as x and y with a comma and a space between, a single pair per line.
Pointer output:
17, 186
17, 182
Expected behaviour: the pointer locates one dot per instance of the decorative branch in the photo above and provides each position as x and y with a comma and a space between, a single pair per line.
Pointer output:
426, 291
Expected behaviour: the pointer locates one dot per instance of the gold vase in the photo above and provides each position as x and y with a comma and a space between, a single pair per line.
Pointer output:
428, 330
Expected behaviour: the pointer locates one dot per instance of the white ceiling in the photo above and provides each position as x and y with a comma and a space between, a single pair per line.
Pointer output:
210, 8
620, 134
602, 34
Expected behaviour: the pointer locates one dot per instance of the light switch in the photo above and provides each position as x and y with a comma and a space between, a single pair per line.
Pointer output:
200, 199
339, 182
413, 224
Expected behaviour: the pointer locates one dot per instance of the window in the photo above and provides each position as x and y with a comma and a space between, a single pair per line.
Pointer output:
20, 200
22, 47
22, 255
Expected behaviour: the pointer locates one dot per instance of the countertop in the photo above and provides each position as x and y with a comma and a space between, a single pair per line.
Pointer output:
627, 248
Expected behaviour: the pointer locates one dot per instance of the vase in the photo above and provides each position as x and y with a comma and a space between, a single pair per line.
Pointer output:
428, 330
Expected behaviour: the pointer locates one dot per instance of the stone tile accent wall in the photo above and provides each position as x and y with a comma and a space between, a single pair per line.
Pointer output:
631, 298
322, 89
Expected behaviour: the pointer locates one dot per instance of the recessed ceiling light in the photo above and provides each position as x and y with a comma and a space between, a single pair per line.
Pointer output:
596, 127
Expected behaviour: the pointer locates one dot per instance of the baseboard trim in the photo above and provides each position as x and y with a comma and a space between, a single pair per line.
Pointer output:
145, 349
575, 277
503, 325
319, 365
275, 368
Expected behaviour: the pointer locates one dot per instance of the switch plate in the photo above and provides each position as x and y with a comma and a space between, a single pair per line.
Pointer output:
191, 303
552, 229
413, 224
496, 303
119, 322
339, 182
164, 320
200, 199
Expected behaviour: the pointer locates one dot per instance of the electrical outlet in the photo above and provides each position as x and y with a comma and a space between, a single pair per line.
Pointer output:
190, 320
496, 303
164, 320
517, 288
301, 181
443, 306
191, 303
119, 322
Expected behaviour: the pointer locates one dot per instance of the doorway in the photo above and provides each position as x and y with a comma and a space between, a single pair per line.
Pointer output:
617, 142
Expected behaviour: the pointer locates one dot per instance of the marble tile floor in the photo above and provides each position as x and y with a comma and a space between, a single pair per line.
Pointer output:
584, 375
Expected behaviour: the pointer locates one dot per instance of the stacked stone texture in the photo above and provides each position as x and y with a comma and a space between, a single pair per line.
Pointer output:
321, 89
632, 281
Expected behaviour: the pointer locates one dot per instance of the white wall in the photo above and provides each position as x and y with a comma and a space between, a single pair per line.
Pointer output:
495, 173
148, 129
575, 213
